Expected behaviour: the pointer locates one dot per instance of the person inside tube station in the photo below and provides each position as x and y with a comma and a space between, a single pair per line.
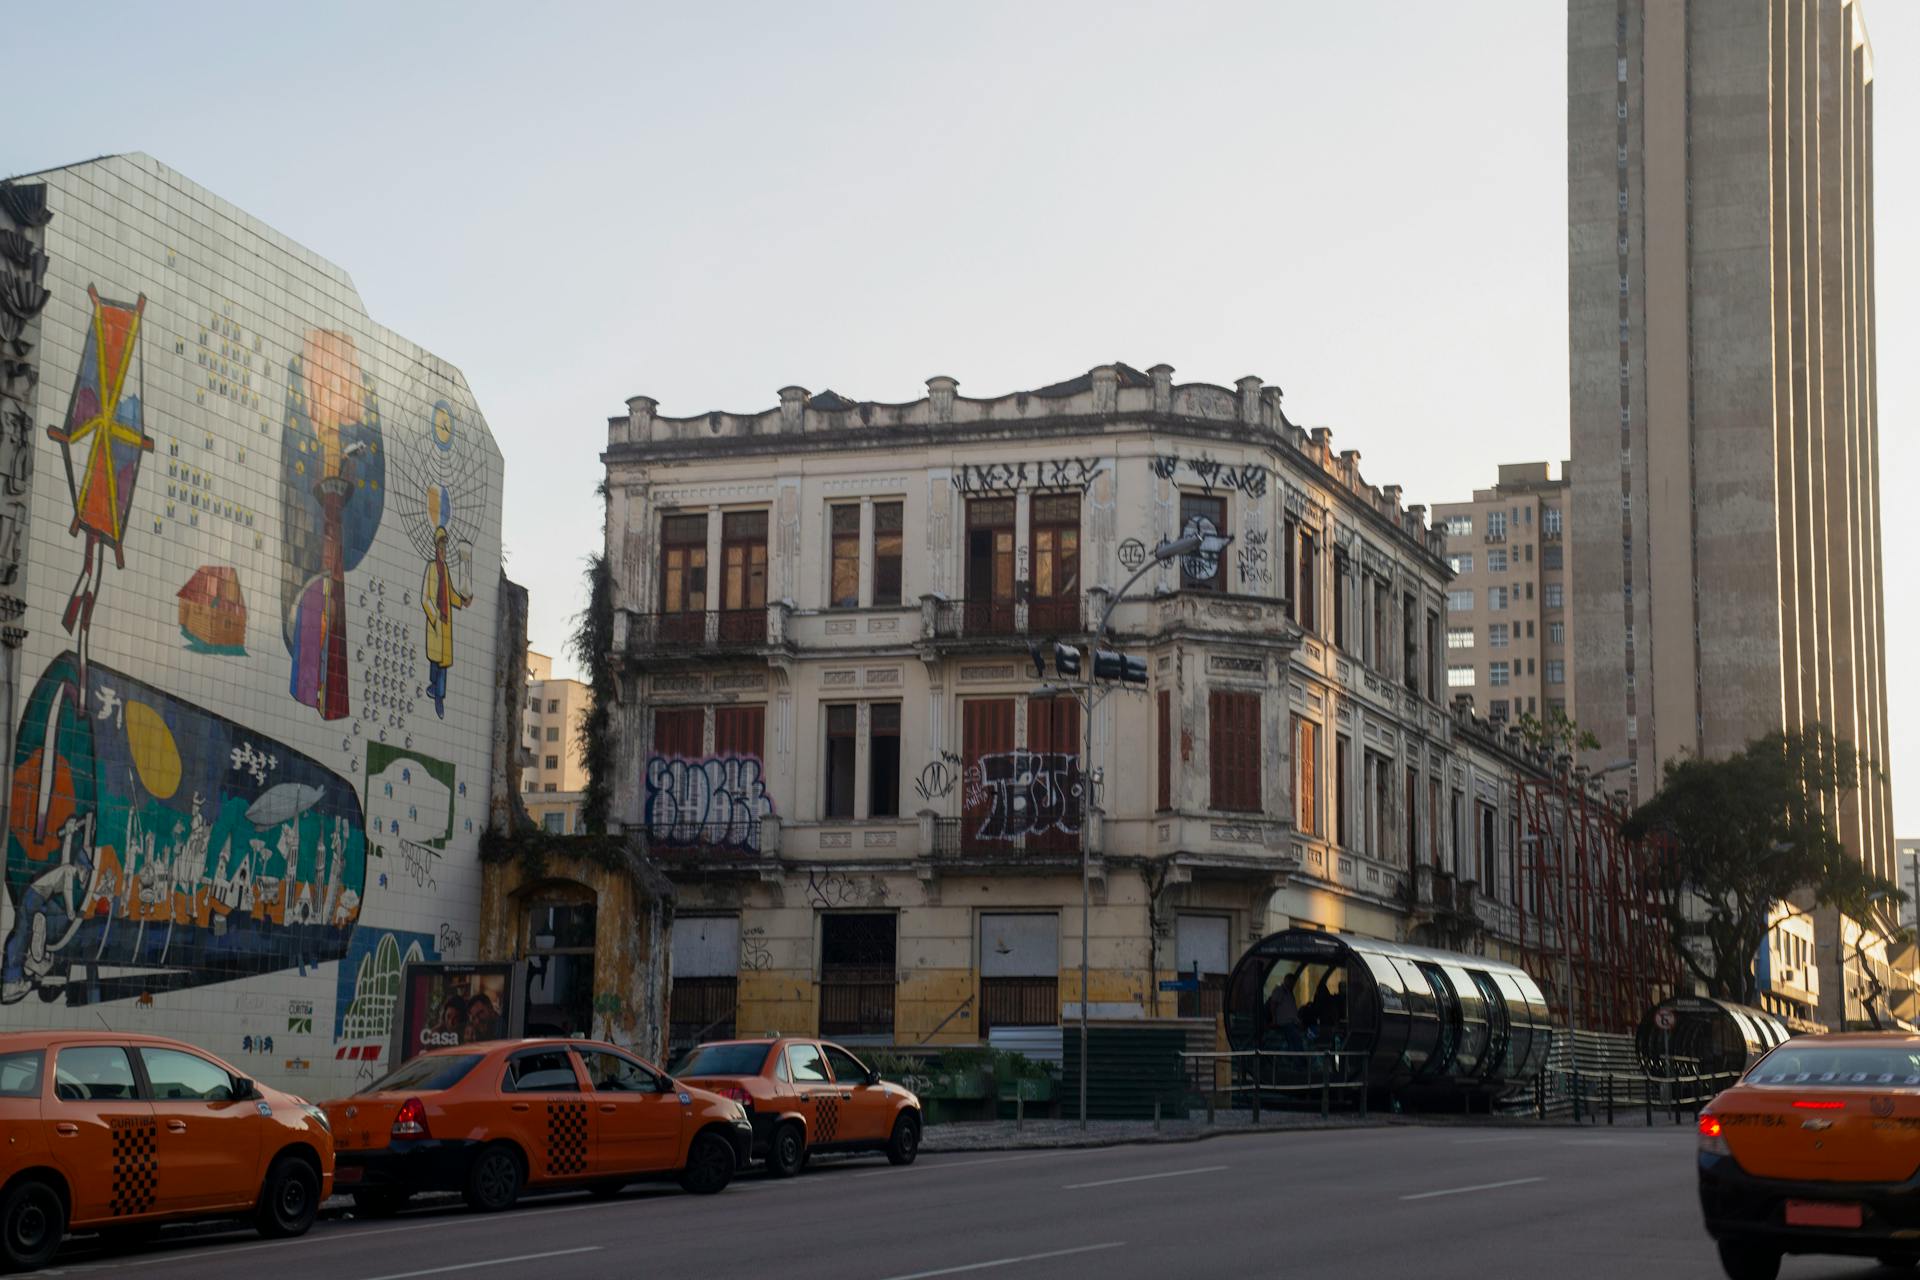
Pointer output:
1305, 1009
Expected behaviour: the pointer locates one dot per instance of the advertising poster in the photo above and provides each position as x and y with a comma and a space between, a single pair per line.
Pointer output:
443, 1005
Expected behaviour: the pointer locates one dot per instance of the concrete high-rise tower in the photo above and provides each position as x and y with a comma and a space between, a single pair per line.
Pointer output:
1725, 455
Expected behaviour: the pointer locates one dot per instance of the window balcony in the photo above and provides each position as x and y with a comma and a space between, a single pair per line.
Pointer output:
999, 619
699, 631
956, 843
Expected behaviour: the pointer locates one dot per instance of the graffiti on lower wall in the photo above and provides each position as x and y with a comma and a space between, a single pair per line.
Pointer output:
719, 801
1030, 793
154, 846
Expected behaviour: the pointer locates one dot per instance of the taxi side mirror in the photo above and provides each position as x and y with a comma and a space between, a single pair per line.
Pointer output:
242, 1089
873, 1075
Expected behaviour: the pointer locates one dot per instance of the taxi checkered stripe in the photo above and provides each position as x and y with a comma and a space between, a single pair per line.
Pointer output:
826, 1120
136, 1167
566, 1138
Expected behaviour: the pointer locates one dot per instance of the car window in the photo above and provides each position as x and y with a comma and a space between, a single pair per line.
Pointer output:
806, 1064
20, 1074
846, 1067
93, 1073
426, 1073
546, 1071
175, 1076
617, 1073
1855, 1066
723, 1060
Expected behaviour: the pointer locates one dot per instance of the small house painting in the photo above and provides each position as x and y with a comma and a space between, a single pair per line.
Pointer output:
213, 614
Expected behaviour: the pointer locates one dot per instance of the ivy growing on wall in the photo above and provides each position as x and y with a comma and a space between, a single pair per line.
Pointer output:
592, 647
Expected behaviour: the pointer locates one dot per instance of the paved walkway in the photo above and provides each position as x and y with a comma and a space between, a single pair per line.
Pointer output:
1002, 1135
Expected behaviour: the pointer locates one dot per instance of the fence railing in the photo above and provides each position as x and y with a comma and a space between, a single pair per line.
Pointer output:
1609, 1095
705, 630
1299, 1077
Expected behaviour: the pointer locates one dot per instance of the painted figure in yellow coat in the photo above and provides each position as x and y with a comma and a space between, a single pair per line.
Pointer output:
439, 597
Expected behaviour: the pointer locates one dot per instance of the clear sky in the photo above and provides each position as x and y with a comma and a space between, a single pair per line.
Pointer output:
1363, 203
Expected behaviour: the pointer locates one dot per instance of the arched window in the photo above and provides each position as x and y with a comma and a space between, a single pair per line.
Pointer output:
559, 949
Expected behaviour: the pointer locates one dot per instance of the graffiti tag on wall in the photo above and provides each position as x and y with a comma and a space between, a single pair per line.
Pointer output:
1011, 477
1209, 474
1255, 570
1030, 793
719, 801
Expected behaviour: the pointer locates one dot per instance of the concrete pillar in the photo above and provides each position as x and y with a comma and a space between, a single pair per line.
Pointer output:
940, 393
793, 409
1249, 399
640, 418
1162, 388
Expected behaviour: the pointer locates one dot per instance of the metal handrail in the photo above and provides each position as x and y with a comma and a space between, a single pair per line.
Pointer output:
1327, 1060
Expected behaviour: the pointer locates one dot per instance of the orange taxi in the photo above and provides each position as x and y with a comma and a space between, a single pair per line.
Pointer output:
120, 1133
1816, 1150
806, 1095
490, 1120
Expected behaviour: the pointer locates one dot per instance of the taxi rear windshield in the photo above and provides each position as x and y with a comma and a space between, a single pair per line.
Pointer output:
1840, 1066
723, 1060
427, 1073
20, 1074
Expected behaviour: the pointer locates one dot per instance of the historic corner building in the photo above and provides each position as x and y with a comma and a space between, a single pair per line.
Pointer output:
833, 738
1726, 482
251, 558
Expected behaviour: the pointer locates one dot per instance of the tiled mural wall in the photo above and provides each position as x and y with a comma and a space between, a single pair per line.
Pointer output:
251, 727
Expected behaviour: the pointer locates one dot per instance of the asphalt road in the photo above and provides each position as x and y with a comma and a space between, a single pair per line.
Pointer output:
1437, 1203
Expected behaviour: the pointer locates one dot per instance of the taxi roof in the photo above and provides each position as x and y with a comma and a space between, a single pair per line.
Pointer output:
1863, 1037
14, 1041
525, 1042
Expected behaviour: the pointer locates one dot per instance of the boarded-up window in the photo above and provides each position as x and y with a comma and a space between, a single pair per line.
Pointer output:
706, 980
1045, 790
1233, 750
1019, 970
857, 975
986, 729
1306, 776
680, 731
1164, 795
1201, 951
739, 731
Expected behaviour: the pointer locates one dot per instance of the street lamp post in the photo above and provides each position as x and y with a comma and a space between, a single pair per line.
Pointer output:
1186, 545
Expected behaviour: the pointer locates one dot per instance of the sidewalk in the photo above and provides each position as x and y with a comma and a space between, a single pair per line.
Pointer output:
1001, 1135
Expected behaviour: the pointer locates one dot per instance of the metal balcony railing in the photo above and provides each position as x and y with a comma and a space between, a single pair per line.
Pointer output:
708, 630
1041, 616
958, 839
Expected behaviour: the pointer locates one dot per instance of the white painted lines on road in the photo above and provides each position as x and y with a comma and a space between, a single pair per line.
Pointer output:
1484, 1186
1144, 1177
944, 1166
1487, 1142
490, 1262
1009, 1262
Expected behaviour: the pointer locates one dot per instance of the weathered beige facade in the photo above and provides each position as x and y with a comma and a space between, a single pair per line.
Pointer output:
555, 776
1726, 467
1508, 641
832, 737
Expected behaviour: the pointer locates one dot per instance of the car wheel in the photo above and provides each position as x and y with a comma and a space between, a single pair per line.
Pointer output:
606, 1190
905, 1143
787, 1153
493, 1183
1748, 1261
709, 1165
1899, 1262
380, 1204
33, 1218
289, 1199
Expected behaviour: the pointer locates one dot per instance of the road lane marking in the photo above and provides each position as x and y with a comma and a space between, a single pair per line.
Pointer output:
490, 1262
1143, 1177
1483, 1142
1008, 1262
943, 1166
1484, 1186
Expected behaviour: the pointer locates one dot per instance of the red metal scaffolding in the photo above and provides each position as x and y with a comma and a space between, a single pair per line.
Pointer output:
1576, 867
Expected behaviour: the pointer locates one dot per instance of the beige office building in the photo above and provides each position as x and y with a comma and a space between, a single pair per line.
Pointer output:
553, 777
1726, 468
1508, 641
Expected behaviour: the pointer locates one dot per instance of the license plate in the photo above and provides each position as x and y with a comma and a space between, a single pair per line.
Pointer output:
347, 1173
1819, 1213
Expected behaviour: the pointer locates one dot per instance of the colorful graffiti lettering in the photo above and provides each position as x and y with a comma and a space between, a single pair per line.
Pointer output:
1030, 793
716, 801
332, 495
145, 853
441, 496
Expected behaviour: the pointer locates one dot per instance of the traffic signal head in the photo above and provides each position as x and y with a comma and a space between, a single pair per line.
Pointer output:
1066, 660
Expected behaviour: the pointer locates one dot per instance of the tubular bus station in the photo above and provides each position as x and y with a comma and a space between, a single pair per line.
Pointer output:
1706, 1037
1401, 1020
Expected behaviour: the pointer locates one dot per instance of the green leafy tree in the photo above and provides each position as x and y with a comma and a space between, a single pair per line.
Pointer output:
592, 647
1555, 732
1745, 833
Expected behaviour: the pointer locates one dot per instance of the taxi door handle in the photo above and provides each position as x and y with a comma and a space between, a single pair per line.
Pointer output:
176, 1126
608, 1107
848, 1095
520, 1106
67, 1130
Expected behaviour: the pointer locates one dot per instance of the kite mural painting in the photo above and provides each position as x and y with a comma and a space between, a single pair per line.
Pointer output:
441, 495
332, 494
156, 846
102, 443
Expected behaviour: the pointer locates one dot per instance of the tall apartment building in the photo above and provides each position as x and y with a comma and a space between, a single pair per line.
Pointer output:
1726, 469
830, 733
1507, 615
1907, 863
554, 779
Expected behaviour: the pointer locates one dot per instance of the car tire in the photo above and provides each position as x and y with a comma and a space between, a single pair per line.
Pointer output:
494, 1179
1749, 1261
33, 1221
904, 1145
709, 1165
605, 1190
289, 1199
787, 1150
1899, 1262
380, 1204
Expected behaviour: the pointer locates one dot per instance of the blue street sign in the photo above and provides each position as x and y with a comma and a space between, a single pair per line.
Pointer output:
1180, 984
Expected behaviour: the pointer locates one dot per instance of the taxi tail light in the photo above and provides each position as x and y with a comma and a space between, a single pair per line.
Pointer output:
1806, 1104
411, 1120
1712, 1137
735, 1093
